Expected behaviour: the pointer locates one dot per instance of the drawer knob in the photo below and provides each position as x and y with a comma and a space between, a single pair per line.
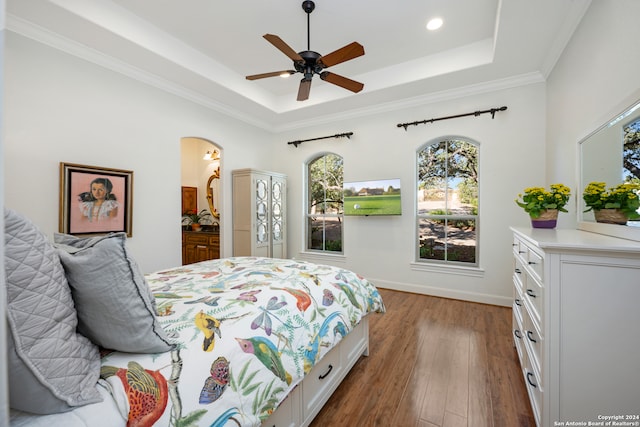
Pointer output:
530, 336
532, 262
529, 375
518, 302
517, 270
522, 252
517, 333
326, 374
531, 293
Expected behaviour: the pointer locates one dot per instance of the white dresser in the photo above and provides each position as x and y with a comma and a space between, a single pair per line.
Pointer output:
576, 324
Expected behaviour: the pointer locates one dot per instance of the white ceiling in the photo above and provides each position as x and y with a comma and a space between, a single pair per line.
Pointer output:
203, 49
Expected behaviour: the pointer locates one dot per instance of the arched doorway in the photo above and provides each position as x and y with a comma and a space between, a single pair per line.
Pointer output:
201, 199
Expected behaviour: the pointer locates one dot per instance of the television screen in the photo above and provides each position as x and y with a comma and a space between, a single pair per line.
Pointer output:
364, 198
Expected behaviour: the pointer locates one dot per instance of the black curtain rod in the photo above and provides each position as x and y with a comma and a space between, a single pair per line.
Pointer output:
493, 112
338, 135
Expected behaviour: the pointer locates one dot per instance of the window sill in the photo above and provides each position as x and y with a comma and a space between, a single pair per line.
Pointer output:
322, 257
448, 269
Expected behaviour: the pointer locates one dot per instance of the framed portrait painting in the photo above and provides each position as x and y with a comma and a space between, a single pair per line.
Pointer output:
95, 200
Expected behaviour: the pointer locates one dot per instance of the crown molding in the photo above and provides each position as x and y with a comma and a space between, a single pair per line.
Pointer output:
64, 44
418, 101
42, 35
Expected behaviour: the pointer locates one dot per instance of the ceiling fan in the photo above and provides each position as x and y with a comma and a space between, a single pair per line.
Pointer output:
309, 62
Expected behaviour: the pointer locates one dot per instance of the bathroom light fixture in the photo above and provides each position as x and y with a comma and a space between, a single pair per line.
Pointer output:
211, 155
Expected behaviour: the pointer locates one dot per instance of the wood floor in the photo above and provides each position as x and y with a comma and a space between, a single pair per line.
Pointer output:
433, 362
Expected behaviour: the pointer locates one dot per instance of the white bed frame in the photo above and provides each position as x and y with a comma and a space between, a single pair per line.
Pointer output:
307, 399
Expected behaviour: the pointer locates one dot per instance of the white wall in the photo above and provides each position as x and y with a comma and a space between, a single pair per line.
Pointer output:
382, 249
77, 112
595, 79
59, 108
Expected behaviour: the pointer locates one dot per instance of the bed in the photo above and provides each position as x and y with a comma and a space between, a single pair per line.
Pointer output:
242, 341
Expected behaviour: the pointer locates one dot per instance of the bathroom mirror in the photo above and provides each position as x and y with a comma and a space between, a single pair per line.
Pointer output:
605, 156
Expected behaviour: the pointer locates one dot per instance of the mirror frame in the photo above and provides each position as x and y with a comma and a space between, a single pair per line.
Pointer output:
212, 208
620, 231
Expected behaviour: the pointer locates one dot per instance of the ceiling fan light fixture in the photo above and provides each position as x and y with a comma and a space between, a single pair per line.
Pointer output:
308, 63
434, 23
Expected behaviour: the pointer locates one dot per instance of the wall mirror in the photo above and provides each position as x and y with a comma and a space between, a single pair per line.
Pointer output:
611, 154
200, 170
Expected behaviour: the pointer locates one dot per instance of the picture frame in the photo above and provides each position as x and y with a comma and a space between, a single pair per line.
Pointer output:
189, 199
95, 200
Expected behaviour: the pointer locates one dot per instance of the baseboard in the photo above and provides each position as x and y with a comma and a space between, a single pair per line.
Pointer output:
444, 293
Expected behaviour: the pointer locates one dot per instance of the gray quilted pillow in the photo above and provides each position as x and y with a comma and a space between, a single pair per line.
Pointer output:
52, 368
115, 306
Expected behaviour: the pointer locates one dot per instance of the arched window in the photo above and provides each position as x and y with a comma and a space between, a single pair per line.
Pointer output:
324, 203
447, 202
631, 151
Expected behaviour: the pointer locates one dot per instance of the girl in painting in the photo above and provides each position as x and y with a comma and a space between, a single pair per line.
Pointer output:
98, 203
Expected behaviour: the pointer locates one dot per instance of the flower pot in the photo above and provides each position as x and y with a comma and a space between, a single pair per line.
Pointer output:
547, 219
610, 216
195, 226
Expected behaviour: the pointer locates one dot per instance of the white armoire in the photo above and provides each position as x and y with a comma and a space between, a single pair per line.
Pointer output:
259, 213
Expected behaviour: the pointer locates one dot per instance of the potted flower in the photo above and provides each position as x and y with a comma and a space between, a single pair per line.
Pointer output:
615, 205
543, 206
194, 219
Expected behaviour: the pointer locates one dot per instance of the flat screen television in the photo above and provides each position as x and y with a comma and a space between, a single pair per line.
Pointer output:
380, 197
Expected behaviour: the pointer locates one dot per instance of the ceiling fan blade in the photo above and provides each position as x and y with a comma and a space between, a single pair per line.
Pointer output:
304, 89
283, 47
271, 74
341, 81
350, 51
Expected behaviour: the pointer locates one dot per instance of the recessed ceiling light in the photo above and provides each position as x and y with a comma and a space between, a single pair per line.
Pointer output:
434, 24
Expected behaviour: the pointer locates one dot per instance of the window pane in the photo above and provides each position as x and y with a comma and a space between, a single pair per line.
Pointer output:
461, 241
324, 233
315, 233
325, 203
431, 238
448, 240
447, 204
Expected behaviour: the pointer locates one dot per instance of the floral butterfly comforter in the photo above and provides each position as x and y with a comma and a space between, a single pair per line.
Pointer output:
247, 330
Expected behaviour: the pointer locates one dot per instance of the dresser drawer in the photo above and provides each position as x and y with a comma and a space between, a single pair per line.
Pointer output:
534, 387
520, 248
357, 341
536, 264
196, 239
287, 414
321, 381
519, 274
534, 295
518, 338
518, 301
534, 341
